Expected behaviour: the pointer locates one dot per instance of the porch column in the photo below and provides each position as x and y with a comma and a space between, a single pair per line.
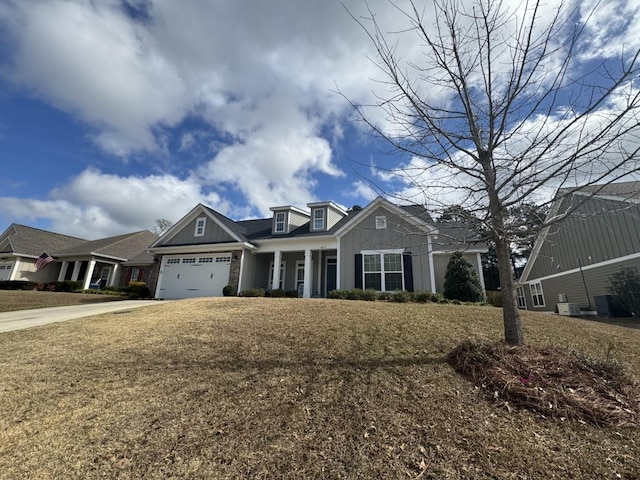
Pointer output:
89, 274
481, 273
306, 291
76, 270
277, 260
63, 271
114, 275
319, 291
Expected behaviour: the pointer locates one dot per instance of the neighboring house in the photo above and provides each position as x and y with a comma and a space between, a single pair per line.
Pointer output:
20, 246
572, 260
75, 258
383, 246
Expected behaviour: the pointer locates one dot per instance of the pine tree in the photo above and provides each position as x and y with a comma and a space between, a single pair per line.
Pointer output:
461, 281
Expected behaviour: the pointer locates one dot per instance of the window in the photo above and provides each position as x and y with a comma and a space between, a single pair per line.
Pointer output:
223, 259
280, 220
537, 296
188, 260
205, 260
383, 271
135, 275
520, 296
173, 260
300, 277
381, 222
318, 219
282, 270
200, 223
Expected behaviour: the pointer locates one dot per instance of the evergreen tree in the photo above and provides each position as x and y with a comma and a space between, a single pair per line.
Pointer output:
461, 281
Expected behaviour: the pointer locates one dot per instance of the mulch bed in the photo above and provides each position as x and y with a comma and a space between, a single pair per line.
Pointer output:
551, 382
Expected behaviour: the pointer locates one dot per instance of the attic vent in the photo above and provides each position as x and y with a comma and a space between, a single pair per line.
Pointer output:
381, 222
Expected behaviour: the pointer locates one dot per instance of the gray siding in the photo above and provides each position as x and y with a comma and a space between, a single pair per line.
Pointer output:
600, 230
571, 284
399, 234
213, 234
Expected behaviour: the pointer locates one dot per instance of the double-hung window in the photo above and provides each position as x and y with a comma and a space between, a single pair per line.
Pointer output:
383, 271
280, 222
537, 296
318, 219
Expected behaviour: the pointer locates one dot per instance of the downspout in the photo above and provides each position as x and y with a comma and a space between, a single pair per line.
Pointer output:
240, 272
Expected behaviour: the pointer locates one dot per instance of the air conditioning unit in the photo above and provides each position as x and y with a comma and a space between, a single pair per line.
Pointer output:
569, 309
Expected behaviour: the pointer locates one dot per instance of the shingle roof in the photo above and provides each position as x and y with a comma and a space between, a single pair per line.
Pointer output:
455, 236
418, 211
34, 241
618, 189
120, 246
143, 258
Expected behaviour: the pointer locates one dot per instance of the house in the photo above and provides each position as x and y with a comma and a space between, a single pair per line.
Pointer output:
312, 251
75, 258
572, 260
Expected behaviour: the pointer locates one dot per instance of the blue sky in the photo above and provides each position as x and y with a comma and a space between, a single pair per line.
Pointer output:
114, 113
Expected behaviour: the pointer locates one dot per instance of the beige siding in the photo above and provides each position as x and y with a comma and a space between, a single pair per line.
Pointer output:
333, 218
26, 270
601, 230
399, 234
572, 284
297, 219
213, 234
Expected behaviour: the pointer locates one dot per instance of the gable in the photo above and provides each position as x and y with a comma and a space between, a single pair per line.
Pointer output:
213, 233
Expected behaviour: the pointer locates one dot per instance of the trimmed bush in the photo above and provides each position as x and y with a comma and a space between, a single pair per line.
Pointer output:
385, 296
291, 294
17, 285
138, 290
461, 281
422, 297
337, 294
253, 292
228, 291
276, 293
402, 297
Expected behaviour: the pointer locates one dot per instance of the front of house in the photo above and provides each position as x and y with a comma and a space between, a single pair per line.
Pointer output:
383, 246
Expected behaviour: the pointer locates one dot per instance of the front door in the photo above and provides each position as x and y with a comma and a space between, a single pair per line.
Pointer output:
331, 271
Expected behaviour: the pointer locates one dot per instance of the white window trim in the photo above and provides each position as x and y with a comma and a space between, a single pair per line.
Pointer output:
299, 266
284, 222
381, 253
204, 226
381, 222
320, 219
520, 295
539, 292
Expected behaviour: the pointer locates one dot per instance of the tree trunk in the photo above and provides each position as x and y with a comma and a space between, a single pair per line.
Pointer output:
510, 312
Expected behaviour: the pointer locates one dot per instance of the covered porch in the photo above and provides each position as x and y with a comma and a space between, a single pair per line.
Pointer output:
90, 271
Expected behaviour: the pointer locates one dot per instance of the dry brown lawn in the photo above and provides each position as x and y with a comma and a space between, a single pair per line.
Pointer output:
11, 300
288, 388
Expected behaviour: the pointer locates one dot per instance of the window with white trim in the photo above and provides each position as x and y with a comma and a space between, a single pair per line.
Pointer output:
200, 224
173, 260
381, 222
318, 219
280, 222
522, 303
537, 296
383, 271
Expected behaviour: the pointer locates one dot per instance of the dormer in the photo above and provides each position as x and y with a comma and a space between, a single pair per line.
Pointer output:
324, 215
287, 218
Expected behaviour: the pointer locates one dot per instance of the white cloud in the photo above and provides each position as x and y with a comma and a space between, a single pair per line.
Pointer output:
95, 205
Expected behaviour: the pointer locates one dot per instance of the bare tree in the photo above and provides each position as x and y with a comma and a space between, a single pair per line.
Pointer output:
161, 226
499, 109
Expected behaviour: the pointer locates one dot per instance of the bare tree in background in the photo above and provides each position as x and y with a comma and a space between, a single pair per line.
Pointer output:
499, 109
161, 226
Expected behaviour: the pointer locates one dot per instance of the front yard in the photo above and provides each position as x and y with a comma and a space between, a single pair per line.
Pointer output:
12, 300
289, 388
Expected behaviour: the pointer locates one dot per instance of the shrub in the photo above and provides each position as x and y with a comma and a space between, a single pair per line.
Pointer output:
17, 285
275, 293
461, 281
253, 292
228, 291
291, 294
138, 290
625, 286
385, 296
422, 297
402, 297
369, 295
337, 294
354, 294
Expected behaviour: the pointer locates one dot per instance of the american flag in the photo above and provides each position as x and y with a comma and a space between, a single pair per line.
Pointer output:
43, 260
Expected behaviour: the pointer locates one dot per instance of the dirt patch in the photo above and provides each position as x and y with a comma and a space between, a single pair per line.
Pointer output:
551, 382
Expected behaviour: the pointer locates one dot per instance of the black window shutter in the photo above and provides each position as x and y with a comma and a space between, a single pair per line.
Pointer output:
408, 272
358, 270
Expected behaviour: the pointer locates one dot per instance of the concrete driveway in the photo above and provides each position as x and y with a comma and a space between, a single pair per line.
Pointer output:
42, 316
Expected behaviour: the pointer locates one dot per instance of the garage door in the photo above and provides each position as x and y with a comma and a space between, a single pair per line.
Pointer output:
194, 276
5, 270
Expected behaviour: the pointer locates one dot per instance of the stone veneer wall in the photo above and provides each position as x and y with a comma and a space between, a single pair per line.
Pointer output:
234, 271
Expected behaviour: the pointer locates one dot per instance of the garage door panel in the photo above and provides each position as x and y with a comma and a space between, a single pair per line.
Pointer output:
190, 277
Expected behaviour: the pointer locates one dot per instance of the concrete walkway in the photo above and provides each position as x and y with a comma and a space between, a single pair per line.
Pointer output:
41, 316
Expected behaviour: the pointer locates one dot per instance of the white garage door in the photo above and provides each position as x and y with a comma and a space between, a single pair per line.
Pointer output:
191, 276
5, 270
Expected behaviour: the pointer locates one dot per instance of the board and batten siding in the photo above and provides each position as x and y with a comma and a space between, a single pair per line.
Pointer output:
599, 231
573, 286
399, 234
213, 233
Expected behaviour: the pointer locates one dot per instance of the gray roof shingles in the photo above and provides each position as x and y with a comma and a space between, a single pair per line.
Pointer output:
33, 241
